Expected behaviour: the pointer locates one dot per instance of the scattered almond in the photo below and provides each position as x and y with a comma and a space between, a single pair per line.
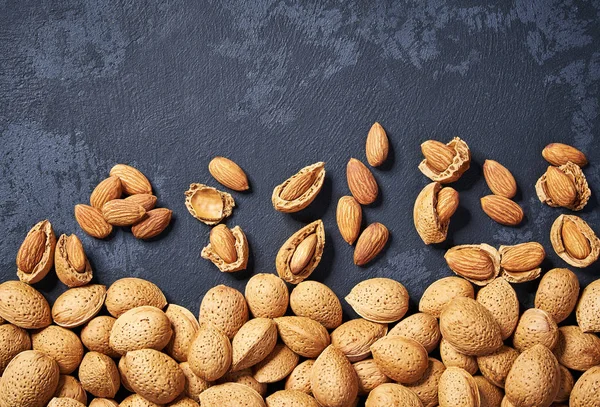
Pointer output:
502, 210
107, 190
377, 146
92, 222
228, 173
132, 179
479, 264
559, 154
361, 182
447, 203
349, 218
445, 163
499, 179
370, 243
298, 191
36, 254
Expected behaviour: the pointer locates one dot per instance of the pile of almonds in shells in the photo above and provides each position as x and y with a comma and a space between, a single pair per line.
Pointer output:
284, 341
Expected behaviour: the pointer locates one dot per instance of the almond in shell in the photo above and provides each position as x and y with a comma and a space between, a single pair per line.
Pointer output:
154, 375
566, 384
574, 241
108, 189
402, 359
421, 327
13, 340
588, 314
445, 165
70, 387
36, 254
70, 262
299, 379
208, 204
302, 335
469, 327
99, 375
381, 300
349, 218
564, 186
370, 243
559, 154
499, 179
301, 253
285, 398
92, 222
132, 179
95, 335
231, 395
490, 395
228, 173
298, 191
495, 366
333, 379
277, 365
194, 385
226, 308
557, 293
426, 388
478, 263
104, 402
502, 210
64, 402
585, 390
255, 340
576, 349
441, 292
142, 327
453, 358
500, 299
130, 292
246, 378
432, 211
355, 337
24, 306
521, 262
210, 353
393, 395
369, 376
458, 388
185, 327
228, 249
318, 302
267, 296
377, 146
536, 326
77, 306
62, 345
153, 224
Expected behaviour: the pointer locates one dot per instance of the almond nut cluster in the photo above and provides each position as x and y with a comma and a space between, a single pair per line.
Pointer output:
107, 207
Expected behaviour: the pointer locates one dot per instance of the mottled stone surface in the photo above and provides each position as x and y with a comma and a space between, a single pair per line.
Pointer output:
276, 85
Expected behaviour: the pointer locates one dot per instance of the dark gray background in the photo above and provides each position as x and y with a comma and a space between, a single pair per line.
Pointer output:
275, 86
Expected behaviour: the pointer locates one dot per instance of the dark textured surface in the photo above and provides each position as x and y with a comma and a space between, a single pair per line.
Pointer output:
277, 85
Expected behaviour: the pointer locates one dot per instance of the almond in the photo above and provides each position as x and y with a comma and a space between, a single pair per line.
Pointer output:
92, 222
437, 155
307, 258
231, 395
13, 340
559, 154
146, 201
194, 385
447, 203
70, 388
276, 366
501, 300
426, 217
361, 182
502, 210
120, 212
95, 335
369, 376
370, 243
380, 300
377, 146
267, 296
302, 335
535, 327
75, 253
77, 306
560, 187
132, 179
153, 224
62, 345
401, 359
426, 388
489, 394
557, 294
522, 257
349, 218
127, 293
36, 254
566, 384
221, 240
298, 191
392, 394
228, 173
333, 379
575, 242
285, 398
140, 328
107, 190
576, 349
421, 327
453, 358
303, 254
299, 379
99, 375
499, 179
588, 308
31, 251
185, 327
223, 243
154, 375
477, 263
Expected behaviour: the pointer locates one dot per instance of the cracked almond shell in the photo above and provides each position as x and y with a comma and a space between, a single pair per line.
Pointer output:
333, 379
355, 337
588, 308
557, 293
574, 172
207, 204
426, 388
317, 301
502, 302
381, 300
442, 291
421, 327
458, 388
460, 163
392, 395
402, 359
77, 306
298, 191
425, 215
303, 335
495, 366
41, 253
130, 292
560, 249
241, 249
286, 253
528, 255
23, 306
64, 268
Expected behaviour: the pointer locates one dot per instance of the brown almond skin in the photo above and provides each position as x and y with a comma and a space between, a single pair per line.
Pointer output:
13, 340
536, 326
469, 327
495, 366
421, 327
370, 243
154, 375
96, 333
29, 380
333, 379
523, 257
438, 155
426, 388
153, 224
31, 251
23, 306
146, 201
588, 317
585, 391
442, 291
142, 327
127, 293
132, 179
453, 358
61, 344
298, 191
559, 154
557, 293
92, 222
228, 173
576, 244
534, 378
473, 263
210, 353
303, 335
120, 212
226, 308
349, 218
502, 210
402, 359
355, 337
267, 296
223, 243
99, 375
70, 387
303, 254
561, 188
318, 302
447, 203
361, 182
500, 299
499, 179
577, 350
108, 189
377, 146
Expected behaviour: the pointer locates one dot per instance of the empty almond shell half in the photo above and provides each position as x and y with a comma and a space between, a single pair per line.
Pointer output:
581, 187
36, 254
460, 163
298, 191
241, 249
425, 214
586, 237
521, 262
207, 204
66, 259
316, 233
